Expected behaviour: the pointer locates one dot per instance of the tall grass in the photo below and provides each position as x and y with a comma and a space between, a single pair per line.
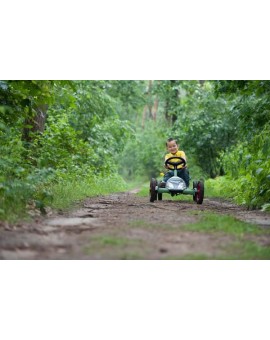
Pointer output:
65, 194
220, 187
18, 197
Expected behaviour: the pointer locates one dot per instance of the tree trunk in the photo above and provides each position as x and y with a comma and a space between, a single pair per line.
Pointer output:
175, 98
40, 118
144, 115
155, 109
35, 122
166, 109
149, 106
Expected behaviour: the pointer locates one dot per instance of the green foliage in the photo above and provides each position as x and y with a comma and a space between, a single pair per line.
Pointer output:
248, 165
64, 193
172, 94
81, 139
266, 207
144, 155
18, 97
248, 173
91, 106
242, 87
129, 96
221, 186
60, 146
144, 190
95, 120
204, 128
252, 113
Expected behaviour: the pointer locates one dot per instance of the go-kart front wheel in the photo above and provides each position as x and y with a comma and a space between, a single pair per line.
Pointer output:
152, 190
195, 183
199, 195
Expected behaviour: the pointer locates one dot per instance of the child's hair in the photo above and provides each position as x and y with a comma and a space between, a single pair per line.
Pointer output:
170, 140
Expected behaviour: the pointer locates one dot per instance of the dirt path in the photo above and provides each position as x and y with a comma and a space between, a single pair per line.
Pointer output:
124, 226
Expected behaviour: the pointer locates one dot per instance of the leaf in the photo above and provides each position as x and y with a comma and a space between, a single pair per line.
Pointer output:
266, 207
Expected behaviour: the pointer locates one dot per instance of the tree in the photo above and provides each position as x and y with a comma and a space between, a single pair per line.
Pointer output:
29, 100
250, 103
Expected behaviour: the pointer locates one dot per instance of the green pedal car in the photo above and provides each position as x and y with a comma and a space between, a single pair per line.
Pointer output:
176, 185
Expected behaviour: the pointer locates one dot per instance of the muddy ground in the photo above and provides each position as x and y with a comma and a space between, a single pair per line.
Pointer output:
125, 226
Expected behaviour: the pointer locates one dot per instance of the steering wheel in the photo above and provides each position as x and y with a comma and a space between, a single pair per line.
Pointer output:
175, 164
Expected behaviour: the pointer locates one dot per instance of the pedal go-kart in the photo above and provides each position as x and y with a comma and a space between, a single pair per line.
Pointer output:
176, 185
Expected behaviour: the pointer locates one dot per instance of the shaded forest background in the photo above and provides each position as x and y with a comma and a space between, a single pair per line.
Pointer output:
61, 141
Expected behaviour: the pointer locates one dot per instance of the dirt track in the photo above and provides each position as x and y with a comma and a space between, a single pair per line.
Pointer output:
124, 226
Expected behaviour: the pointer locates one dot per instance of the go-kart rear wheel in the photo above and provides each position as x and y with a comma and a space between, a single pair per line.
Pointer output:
200, 192
152, 190
195, 183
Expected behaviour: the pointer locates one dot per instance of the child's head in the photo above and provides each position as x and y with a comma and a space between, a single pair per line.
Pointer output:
171, 145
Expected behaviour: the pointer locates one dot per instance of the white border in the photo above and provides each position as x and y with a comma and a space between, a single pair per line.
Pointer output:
134, 39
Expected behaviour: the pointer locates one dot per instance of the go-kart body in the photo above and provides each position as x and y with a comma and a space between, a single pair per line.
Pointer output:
176, 185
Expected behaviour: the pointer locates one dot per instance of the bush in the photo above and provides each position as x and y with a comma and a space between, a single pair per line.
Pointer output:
247, 169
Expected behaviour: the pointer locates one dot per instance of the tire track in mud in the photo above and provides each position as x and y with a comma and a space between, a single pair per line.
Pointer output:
125, 226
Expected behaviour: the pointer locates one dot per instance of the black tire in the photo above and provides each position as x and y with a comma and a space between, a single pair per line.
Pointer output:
160, 197
152, 190
194, 187
200, 192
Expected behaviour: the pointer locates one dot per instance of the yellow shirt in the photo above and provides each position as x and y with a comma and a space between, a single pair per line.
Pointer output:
177, 154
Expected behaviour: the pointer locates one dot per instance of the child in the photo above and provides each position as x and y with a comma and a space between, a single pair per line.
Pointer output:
182, 171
